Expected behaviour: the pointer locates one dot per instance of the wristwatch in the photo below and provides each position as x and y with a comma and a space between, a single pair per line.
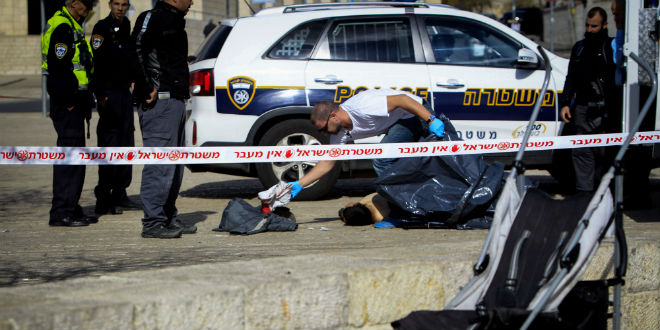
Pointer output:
428, 121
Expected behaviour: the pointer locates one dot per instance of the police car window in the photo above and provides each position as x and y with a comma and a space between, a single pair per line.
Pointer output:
383, 40
299, 42
462, 42
212, 45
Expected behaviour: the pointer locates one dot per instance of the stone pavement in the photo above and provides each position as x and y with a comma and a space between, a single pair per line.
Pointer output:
322, 276
20, 87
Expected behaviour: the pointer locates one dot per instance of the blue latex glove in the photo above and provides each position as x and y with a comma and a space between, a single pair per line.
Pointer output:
437, 127
296, 188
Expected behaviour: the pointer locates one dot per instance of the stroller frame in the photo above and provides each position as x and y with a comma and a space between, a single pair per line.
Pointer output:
616, 170
568, 252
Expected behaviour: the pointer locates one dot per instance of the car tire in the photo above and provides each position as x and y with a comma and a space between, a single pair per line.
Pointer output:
295, 132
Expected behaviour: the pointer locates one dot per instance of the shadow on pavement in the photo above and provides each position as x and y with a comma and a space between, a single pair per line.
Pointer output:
647, 210
61, 269
249, 188
193, 218
245, 188
359, 188
319, 220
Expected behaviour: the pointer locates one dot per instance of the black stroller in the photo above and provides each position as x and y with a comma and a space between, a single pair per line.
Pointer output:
536, 250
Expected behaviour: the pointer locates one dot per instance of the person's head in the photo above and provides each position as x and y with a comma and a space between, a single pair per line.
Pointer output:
181, 5
355, 215
323, 117
80, 8
619, 13
118, 8
596, 20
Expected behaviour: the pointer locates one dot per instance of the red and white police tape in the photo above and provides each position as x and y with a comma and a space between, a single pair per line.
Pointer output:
260, 154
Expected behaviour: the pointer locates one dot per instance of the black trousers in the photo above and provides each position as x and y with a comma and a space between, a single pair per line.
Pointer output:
67, 179
115, 129
589, 163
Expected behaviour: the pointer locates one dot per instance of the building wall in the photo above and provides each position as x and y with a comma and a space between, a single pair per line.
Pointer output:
569, 28
15, 22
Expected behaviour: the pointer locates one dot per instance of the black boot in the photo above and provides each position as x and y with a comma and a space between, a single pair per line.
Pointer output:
104, 203
124, 202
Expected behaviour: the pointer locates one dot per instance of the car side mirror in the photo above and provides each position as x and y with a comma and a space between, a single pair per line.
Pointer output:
527, 59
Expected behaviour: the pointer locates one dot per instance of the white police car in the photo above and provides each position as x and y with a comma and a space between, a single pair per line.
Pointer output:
256, 78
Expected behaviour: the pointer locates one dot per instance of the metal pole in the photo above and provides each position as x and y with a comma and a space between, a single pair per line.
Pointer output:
514, 21
616, 294
44, 95
620, 246
513, 9
552, 26
571, 15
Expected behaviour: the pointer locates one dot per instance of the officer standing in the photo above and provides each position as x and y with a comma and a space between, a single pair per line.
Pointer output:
67, 61
589, 85
112, 82
161, 86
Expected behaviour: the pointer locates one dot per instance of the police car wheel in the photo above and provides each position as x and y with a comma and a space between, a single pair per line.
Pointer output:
295, 132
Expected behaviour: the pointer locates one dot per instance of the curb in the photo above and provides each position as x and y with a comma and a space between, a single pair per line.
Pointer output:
322, 291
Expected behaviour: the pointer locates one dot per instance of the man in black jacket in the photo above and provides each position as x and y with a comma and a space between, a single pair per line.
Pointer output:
161, 86
111, 42
589, 86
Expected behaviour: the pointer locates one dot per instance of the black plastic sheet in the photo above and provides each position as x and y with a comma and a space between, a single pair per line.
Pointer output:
451, 189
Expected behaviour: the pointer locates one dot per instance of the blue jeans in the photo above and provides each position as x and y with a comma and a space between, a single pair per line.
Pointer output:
404, 130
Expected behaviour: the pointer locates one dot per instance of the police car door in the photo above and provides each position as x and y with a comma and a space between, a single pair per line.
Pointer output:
475, 81
360, 53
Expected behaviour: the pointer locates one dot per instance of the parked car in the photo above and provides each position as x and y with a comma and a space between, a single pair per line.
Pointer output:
255, 79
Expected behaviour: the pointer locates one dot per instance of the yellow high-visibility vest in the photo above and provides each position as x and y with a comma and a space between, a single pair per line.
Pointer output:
64, 17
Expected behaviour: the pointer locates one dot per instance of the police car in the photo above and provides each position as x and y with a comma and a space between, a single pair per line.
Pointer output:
255, 79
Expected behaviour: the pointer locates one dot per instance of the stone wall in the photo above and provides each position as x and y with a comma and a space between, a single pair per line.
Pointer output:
17, 11
568, 29
20, 54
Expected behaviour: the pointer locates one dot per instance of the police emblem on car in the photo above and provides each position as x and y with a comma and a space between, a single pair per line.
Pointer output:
97, 41
240, 90
60, 50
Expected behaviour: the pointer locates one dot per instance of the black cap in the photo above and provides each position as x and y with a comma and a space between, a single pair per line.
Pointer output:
89, 3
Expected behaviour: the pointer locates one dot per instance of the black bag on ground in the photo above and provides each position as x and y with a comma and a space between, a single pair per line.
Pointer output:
239, 217
451, 189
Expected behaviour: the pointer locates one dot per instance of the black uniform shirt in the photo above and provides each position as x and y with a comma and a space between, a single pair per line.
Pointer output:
591, 61
62, 84
111, 43
161, 45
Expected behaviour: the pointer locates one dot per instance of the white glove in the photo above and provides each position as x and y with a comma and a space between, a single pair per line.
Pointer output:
276, 196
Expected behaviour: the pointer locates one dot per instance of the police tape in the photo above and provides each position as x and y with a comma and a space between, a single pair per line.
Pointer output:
300, 153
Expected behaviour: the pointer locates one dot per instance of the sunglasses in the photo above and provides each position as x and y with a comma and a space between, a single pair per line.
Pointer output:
324, 129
